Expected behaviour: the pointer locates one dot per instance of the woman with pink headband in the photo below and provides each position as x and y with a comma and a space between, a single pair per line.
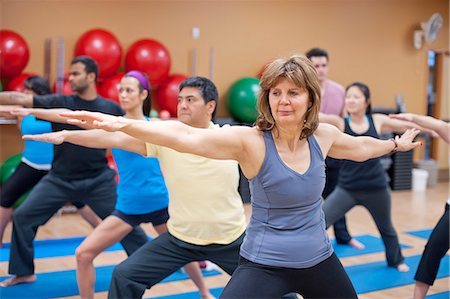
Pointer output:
142, 195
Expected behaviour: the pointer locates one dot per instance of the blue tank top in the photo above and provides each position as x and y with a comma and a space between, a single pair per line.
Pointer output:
141, 187
367, 175
287, 226
36, 152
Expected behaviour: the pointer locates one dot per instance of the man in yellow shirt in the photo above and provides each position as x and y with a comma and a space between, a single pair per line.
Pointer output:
207, 220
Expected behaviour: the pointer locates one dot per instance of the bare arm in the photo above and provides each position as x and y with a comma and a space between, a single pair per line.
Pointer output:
362, 148
386, 124
52, 115
334, 120
224, 143
16, 98
440, 127
94, 138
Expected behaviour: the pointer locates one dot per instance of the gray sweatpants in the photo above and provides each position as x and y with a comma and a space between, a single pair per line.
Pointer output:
378, 203
161, 257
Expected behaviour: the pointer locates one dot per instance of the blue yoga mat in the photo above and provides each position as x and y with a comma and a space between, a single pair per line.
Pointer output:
373, 244
366, 278
215, 292
54, 248
383, 277
424, 234
64, 283
443, 295
67, 246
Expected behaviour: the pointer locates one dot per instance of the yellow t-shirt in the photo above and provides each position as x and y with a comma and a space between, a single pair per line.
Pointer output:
204, 204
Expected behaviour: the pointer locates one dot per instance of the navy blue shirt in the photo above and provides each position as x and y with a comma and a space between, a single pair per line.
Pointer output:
74, 162
367, 175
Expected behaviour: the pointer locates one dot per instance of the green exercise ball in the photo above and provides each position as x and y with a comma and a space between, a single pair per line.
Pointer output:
242, 99
7, 169
1, 87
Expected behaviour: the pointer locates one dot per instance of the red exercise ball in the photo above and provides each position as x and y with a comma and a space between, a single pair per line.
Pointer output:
16, 83
14, 54
109, 89
151, 57
167, 93
103, 47
66, 89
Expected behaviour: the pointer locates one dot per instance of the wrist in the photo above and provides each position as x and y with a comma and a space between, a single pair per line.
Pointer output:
395, 149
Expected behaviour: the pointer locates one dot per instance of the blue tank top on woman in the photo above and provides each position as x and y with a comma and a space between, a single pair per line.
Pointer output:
367, 175
287, 225
36, 152
141, 187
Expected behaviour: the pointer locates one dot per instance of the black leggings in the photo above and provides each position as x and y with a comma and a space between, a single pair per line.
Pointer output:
436, 248
22, 180
327, 279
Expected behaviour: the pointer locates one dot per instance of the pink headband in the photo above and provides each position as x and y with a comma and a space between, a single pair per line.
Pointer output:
141, 78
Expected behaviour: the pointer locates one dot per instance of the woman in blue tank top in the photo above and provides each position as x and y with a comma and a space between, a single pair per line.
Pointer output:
286, 248
142, 196
364, 183
36, 161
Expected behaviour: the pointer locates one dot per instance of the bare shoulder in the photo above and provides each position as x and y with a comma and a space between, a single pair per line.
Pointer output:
326, 130
379, 118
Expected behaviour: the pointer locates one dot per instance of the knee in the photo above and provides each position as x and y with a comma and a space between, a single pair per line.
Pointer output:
84, 256
21, 217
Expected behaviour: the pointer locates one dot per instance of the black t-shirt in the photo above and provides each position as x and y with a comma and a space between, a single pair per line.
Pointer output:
74, 162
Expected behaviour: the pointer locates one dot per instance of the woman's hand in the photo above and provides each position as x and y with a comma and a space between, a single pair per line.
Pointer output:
54, 137
95, 120
406, 142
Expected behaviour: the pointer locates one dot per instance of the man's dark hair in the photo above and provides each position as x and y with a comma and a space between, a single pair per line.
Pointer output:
207, 89
89, 64
38, 85
317, 52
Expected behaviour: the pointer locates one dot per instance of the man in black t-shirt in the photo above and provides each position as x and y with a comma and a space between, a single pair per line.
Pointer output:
77, 173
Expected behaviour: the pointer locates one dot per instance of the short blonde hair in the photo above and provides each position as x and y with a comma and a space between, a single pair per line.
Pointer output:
302, 73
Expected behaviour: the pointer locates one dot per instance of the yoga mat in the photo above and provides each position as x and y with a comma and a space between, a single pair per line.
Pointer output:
54, 248
424, 234
67, 246
377, 276
373, 244
64, 283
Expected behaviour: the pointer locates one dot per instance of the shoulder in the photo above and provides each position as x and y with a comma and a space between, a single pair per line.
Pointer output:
336, 86
109, 106
378, 118
326, 132
325, 129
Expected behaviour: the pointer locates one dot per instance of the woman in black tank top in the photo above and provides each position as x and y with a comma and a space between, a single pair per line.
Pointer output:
364, 183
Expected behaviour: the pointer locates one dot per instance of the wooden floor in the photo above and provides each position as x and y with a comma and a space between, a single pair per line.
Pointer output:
411, 211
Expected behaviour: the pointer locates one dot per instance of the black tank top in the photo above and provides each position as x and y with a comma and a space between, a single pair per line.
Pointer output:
368, 175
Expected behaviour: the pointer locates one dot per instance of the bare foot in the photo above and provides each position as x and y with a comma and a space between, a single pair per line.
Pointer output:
402, 267
356, 244
1, 245
17, 280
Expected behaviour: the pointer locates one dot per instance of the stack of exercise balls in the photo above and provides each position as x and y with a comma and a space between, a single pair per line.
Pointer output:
242, 98
146, 55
